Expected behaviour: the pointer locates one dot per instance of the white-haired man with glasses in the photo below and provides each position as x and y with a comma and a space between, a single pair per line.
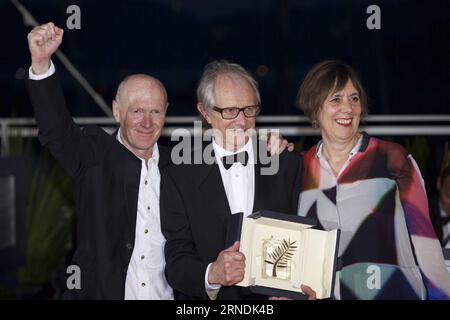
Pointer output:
198, 199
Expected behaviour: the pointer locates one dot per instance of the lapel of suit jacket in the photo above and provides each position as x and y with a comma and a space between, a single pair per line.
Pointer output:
164, 157
132, 176
262, 182
129, 167
211, 186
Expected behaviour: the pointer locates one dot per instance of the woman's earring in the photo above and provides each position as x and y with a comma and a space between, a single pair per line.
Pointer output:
315, 124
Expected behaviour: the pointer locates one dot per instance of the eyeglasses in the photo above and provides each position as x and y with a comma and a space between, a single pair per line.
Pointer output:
233, 112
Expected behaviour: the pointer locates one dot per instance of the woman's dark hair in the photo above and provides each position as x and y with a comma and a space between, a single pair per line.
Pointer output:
325, 78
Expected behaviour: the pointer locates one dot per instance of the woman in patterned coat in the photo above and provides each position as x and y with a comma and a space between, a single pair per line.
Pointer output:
370, 189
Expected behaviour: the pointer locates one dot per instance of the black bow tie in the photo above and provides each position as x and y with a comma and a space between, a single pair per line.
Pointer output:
241, 157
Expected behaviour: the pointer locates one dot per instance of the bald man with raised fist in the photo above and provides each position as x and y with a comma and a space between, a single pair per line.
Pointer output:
115, 178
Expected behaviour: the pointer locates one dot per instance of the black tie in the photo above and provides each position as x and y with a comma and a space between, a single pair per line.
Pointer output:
241, 157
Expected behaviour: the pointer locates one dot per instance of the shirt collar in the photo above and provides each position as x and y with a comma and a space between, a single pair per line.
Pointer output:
221, 152
155, 151
352, 153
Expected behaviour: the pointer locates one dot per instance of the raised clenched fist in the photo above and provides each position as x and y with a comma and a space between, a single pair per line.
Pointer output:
43, 41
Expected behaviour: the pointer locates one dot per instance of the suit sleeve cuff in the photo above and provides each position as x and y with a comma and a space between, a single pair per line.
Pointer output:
211, 289
49, 73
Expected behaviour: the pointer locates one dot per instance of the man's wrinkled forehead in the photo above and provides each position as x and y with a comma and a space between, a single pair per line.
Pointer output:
141, 89
228, 85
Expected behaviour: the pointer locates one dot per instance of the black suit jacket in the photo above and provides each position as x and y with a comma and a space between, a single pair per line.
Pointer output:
105, 180
195, 213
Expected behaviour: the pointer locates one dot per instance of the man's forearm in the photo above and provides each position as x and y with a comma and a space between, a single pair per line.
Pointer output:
39, 68
50, 71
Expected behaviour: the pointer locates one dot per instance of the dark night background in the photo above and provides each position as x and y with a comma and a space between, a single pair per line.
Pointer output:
405, 65
405, 68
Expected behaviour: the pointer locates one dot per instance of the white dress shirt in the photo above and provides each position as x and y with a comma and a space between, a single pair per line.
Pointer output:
239, 185
239, 180
145, 275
